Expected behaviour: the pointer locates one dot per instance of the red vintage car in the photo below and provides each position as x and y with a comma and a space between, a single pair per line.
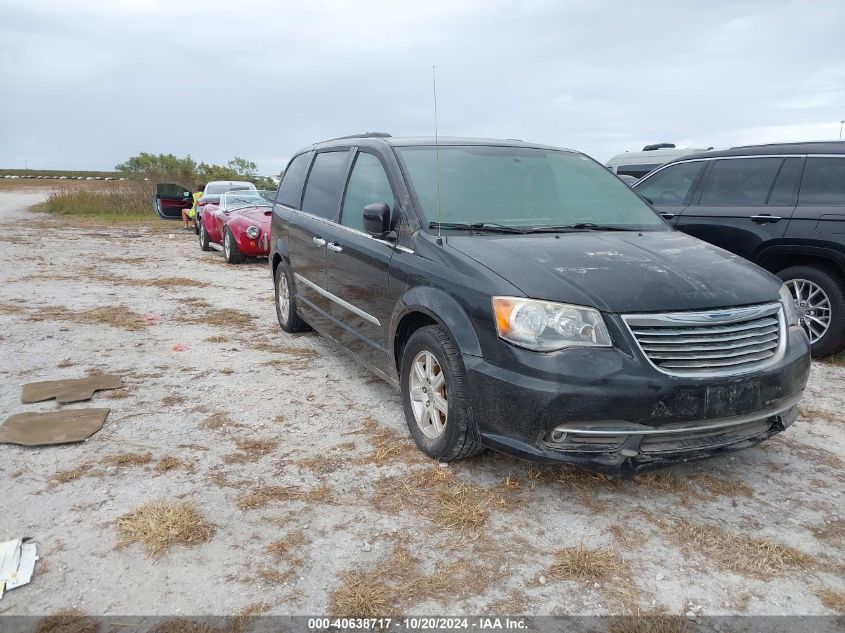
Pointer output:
240, 223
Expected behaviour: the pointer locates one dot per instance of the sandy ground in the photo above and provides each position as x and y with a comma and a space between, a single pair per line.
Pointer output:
281, 439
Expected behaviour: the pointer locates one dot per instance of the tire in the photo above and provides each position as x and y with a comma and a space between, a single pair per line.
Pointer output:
455, 439
196, 226
286, 313
203, 235
231, 251
833, 287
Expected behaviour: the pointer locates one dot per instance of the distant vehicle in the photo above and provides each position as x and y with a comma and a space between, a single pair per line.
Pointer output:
779, 206
240, 222
638, 164
170, 199
212, 192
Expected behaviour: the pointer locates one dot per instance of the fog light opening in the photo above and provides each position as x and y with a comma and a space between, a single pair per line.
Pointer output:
558, 436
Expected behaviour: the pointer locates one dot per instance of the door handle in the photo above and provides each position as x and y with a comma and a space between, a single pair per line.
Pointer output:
765, 218
319, 241
334, 246
667, 215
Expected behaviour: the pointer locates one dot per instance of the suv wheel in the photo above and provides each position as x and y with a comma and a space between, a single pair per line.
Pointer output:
820, 299
286, 313
432, 380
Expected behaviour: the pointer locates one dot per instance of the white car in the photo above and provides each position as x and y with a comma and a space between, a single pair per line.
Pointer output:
638, 164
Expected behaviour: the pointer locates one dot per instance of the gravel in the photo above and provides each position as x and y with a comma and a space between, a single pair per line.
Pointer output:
303, 393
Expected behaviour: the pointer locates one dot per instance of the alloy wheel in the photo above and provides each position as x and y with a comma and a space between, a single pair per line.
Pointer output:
813, 307
428, 394
227, 245
283, 296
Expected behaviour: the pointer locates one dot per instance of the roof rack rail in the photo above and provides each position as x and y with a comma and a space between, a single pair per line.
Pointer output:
364, 135
654, 146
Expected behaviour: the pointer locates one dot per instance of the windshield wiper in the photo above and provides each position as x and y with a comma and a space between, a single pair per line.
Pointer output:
579, 226
475, 226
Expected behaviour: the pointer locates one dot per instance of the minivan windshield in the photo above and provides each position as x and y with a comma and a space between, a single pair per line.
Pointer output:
484, 187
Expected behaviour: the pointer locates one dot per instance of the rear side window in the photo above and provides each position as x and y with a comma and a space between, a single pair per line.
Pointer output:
325, 182
368, 184
672, 184
823, 182
786, 183
740, 181
290, 189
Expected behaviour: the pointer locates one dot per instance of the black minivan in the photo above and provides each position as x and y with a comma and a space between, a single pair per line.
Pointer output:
523, 298
781, 206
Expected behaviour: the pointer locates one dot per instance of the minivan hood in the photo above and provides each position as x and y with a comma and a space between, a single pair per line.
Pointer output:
652, 271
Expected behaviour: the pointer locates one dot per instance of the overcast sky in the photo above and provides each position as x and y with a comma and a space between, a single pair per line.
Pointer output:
84, 85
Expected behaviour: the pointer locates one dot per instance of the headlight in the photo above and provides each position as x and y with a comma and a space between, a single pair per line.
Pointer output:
545, 326
252, 232
790, 311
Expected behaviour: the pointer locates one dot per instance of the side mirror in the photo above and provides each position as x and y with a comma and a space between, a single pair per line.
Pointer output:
377, 218
201, 202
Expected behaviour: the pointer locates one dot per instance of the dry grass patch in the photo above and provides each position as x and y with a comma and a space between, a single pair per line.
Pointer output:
751, 556
262, 495
182, 625
158, 525
809, 453
219, 420
281, 548
389, 446
300, 353
694, 488
322, 464
169, 462
220, 317
217, 338
115, 316
833, 600
68, 475
586, 565
127, 459
655, 621
251, 450
812, 413
399, 582
831, 532
174, 282
439, 495
67, 621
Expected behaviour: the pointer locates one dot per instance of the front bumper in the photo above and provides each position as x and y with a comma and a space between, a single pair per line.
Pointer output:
611, 411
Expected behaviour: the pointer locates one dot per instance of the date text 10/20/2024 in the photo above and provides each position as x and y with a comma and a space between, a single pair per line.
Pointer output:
418, 624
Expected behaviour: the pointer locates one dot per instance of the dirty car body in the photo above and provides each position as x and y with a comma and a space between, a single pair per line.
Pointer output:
555, 316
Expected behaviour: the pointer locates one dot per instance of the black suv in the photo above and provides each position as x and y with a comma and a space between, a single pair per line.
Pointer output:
523, 298
779, 206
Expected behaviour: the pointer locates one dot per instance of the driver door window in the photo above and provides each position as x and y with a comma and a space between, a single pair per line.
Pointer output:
368, 184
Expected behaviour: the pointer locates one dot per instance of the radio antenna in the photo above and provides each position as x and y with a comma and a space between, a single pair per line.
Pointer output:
436, 150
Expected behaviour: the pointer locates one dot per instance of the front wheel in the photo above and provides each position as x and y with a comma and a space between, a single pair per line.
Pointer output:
230, 248
203, 238
432, 381
820, 299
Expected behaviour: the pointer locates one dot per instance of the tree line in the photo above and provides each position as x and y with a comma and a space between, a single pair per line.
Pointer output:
187, 172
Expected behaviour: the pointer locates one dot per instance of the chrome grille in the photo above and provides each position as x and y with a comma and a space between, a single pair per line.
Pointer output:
728, 341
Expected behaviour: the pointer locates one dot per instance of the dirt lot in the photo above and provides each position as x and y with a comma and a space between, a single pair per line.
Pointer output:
303, 492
